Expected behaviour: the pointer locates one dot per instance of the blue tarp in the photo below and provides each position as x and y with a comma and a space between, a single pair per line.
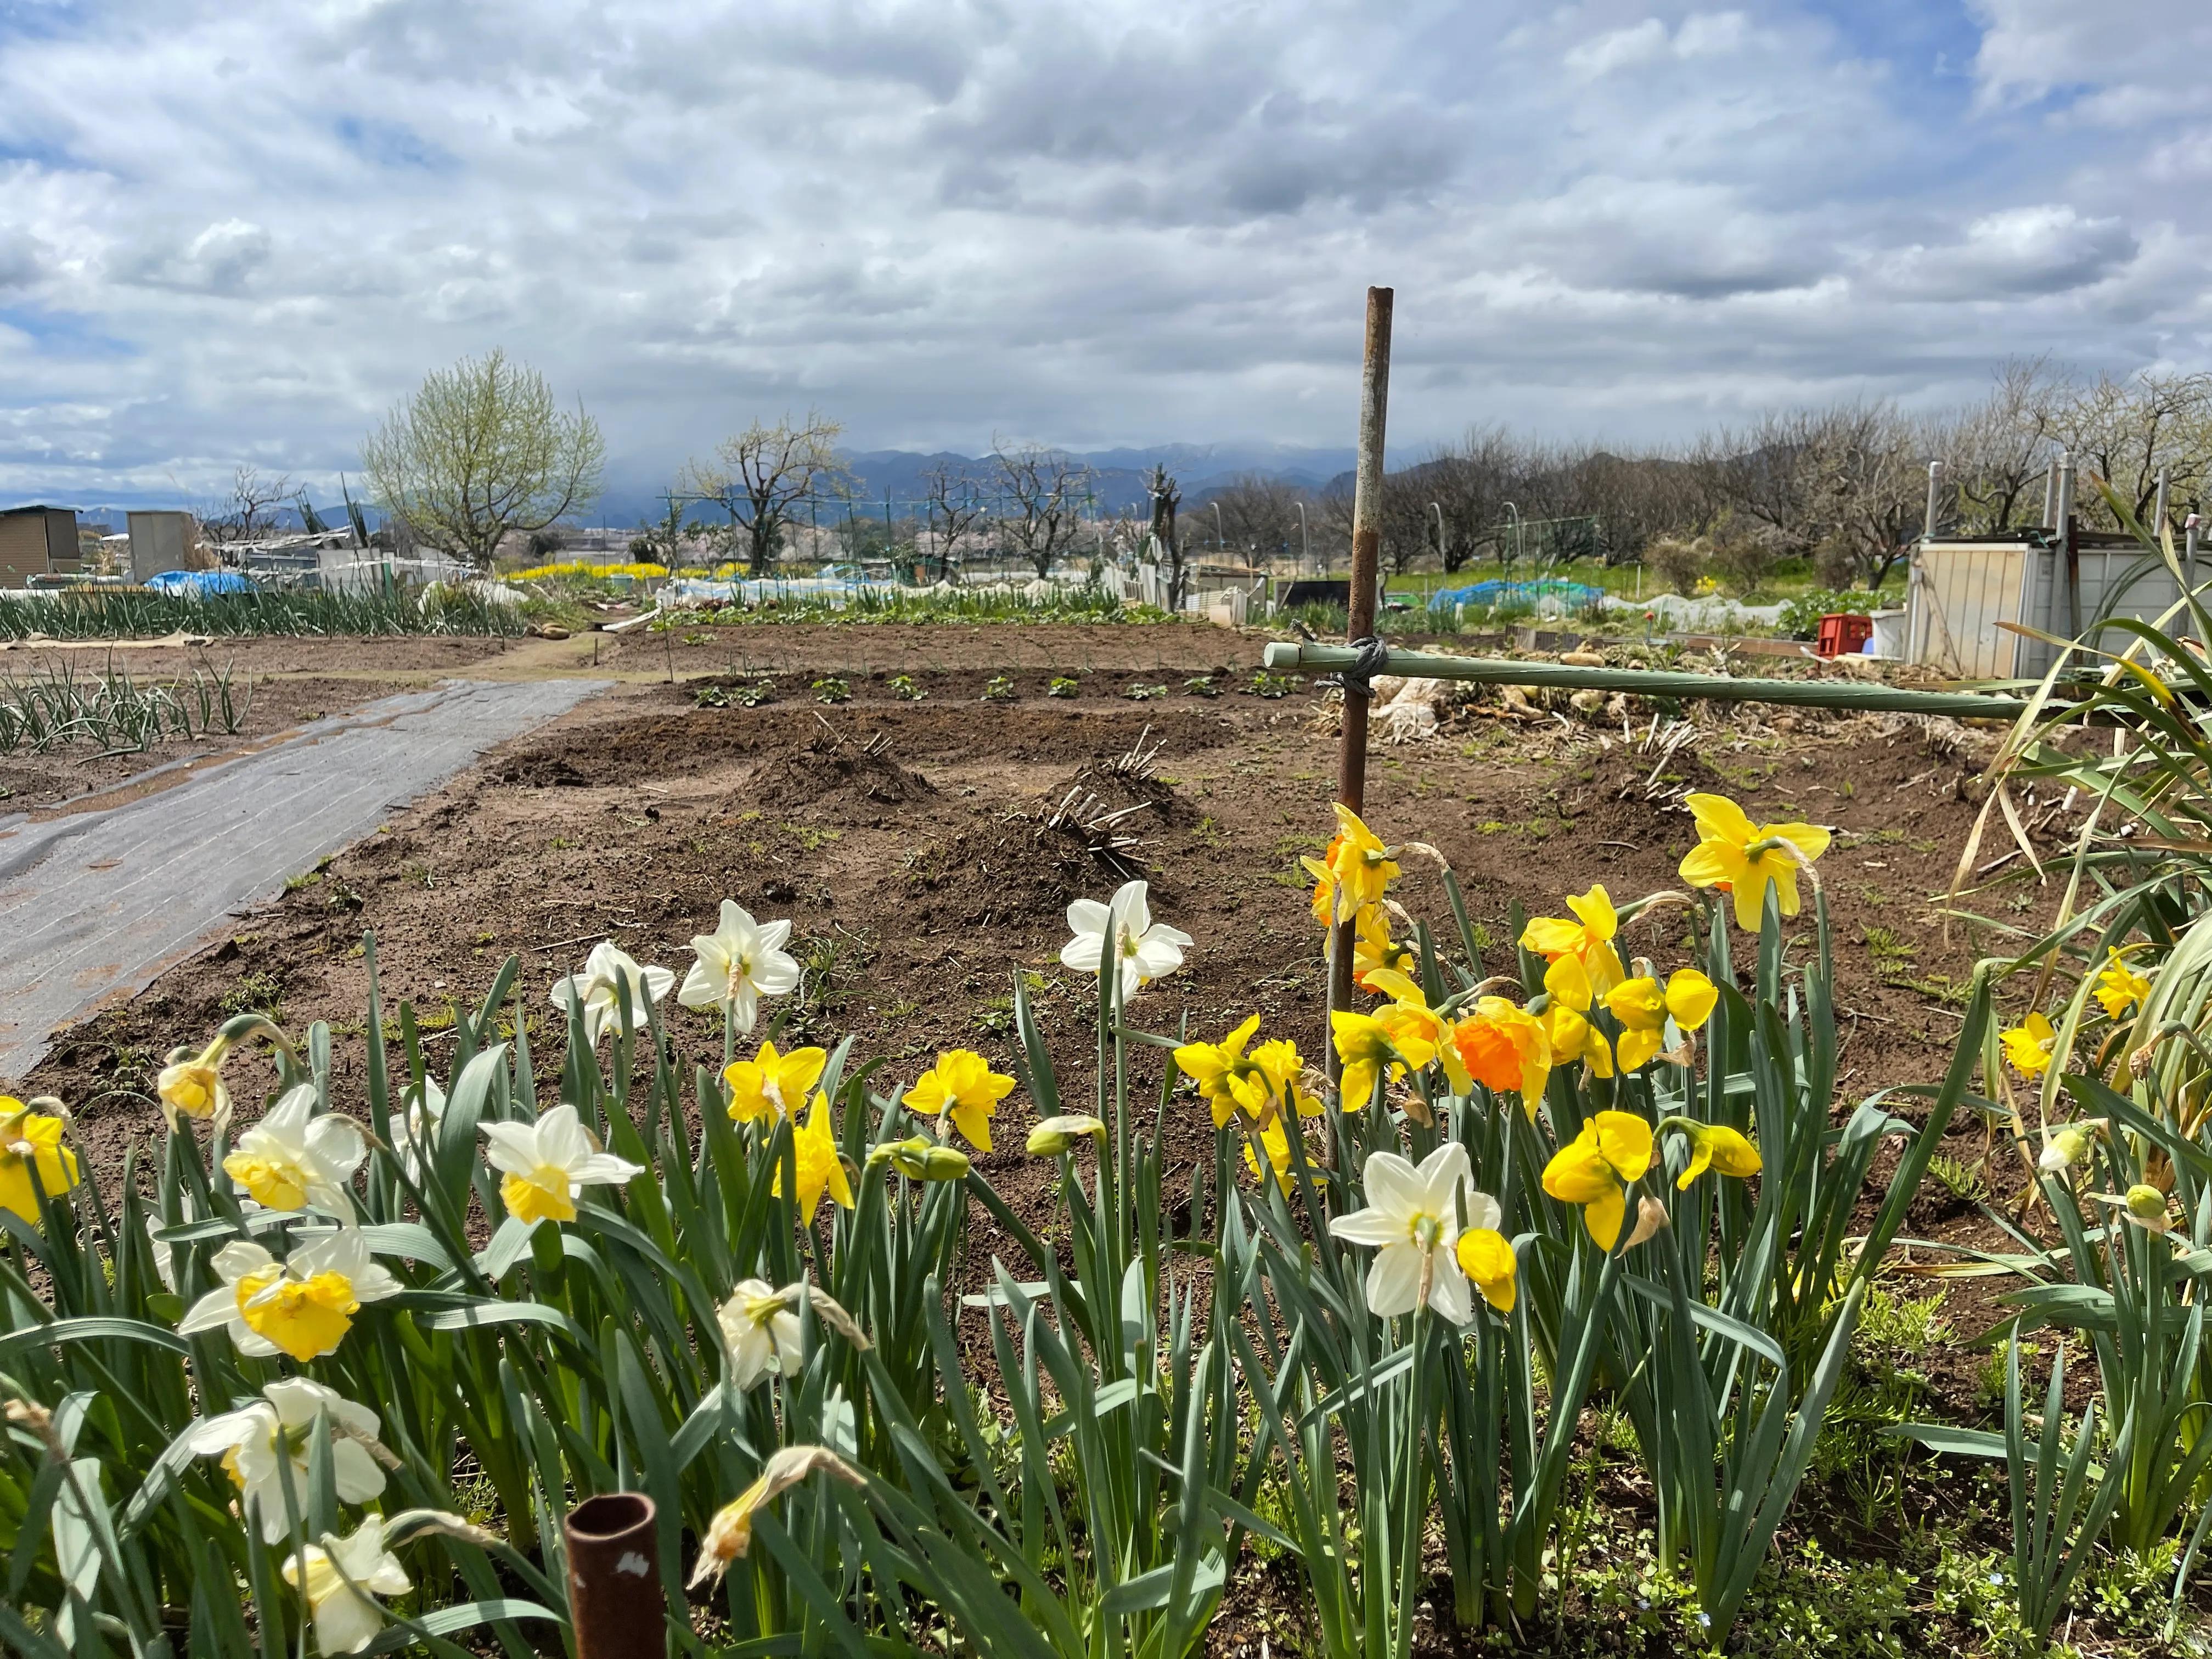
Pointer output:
199, 584
1572, 594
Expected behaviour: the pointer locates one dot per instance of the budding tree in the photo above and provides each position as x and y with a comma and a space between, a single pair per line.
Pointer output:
761, 477
482, 450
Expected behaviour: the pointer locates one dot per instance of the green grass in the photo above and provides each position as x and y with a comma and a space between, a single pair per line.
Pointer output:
97, 613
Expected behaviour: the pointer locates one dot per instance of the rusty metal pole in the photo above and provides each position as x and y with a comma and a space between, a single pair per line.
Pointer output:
616, 1605
1367, 567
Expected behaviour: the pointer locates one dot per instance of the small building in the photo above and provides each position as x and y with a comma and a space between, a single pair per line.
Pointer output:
37, 541
1965, 589
158, 541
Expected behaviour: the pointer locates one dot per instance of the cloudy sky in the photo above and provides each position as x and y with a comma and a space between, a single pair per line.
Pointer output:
236, 230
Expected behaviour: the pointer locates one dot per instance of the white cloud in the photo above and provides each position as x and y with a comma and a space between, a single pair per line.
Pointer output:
239, 230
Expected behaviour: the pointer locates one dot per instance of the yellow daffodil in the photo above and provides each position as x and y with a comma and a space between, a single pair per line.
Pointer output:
1280, 1070
771, 1086
302, 1306
821, 1169
1505, 1048
1714, 1146
544, 1164
1486, 1256
1275, 1139
1612, 1149
336, 1579
1215, 1068
1355, 872
1372, 948
1644, 1007
1411, 1021
1368, 1052
192, 1085
1566, 1022
1588, 938
2119, 987
1741, 857
31, 1145
961, 1086
2028, 1045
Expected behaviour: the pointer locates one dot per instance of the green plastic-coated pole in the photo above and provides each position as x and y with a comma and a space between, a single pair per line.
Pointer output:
1288, 656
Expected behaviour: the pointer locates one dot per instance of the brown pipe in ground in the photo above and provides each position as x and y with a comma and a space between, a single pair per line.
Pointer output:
614, 1601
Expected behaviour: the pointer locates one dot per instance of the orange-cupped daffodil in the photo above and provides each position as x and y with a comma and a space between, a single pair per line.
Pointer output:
2028, 1045
961, 1086
1743, 859
1505, 1048
1566, 1021
771, 1086
1644, 1006
1593, 1170
1588, 938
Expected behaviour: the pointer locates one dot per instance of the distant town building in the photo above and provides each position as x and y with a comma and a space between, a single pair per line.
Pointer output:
37, 541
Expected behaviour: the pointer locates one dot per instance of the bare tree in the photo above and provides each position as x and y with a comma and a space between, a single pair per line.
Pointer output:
250, 512
1994, 452
1047, 488
482, 450
760, 477
953, 507
2126, 431
1166, 544
1260, 514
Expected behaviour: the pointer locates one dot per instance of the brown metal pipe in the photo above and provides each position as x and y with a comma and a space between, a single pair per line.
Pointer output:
616, 1605
1366, 562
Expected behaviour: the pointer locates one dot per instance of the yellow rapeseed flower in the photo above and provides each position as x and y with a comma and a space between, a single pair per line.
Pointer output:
1612, 1149
1566, 1021
1741, 857
771, 1086
961, 1086
1644, 1007
820, 1167
1368, 1052
1588, 938
31, 1142
1505, 1048
2028, 1045
2119, 987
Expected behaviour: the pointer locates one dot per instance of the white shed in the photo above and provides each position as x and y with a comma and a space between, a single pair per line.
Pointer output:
1962, 587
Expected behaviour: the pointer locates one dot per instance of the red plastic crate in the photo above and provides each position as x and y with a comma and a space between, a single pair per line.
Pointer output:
1843, 633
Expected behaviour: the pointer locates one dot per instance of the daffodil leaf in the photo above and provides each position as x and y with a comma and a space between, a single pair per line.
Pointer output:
508, 1246
1953, 1442
93, 1328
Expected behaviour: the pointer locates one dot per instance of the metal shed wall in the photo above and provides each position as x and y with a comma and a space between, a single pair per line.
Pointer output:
1962, 590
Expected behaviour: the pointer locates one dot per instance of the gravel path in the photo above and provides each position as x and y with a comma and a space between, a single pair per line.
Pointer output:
96, 903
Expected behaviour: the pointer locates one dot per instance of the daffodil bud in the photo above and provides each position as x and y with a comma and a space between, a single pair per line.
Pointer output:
1056, 1135
2147, 1206
2062, 1149
919, 1158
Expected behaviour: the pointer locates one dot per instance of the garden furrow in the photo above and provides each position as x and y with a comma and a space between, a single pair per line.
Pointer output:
96, 903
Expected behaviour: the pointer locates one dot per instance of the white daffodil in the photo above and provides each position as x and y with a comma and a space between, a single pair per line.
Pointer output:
302, 1306
543, 1165
739, 963
346, 1619
255, 1441
608, 966
296, 1157
761, 1330
1145, 948
1412, 1215
426, 1110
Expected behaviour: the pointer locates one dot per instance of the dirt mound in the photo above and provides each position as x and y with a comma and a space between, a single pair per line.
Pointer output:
1015, 872
832, 772
540, 770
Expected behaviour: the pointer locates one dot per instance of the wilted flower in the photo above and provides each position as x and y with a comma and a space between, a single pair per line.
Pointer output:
730, 1534
594, 990
256, 1440
961, 1086
302, 1306
544, 1164
739, 963
1413, 1216
347, 1620
1613, 1148
1742, 859
1145, 950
